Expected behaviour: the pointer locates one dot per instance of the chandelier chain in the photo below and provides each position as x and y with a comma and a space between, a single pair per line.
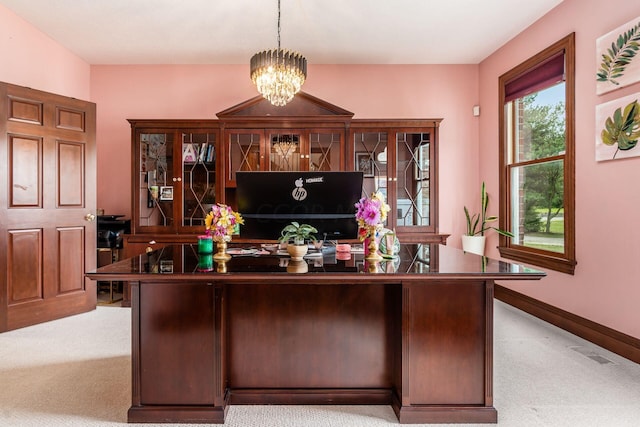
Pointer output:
278, 24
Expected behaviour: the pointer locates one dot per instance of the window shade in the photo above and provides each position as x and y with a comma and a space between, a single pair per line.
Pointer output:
546, 74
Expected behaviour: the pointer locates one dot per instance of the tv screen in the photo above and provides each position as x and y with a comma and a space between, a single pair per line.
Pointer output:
326, 200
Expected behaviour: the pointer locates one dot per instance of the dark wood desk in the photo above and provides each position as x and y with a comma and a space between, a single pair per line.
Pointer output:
414, 332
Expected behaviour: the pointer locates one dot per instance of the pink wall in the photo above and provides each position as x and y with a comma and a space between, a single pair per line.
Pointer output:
32, 59
605, 286
200, 91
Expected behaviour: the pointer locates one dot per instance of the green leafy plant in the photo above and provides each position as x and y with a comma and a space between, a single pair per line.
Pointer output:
477, 223
297, 233
619, 55
623, 128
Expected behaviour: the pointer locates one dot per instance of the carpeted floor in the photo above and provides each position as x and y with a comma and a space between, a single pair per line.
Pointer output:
76, 372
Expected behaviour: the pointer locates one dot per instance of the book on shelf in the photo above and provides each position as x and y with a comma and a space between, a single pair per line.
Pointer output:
203, 152
188, 153
198, 153
211, 153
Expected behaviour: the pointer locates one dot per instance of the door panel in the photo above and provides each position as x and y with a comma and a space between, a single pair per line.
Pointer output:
24, 283
48, 158
25, 110
70, 119
70, 256
70, 173
25, 156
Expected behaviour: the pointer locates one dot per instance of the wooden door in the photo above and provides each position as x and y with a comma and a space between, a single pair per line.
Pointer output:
47, 207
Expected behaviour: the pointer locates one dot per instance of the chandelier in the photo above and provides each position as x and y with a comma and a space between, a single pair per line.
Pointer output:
285, 145
278, 74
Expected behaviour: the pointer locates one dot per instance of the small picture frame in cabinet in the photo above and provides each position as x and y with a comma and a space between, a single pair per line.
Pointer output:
364, 164
166, 193
166, 266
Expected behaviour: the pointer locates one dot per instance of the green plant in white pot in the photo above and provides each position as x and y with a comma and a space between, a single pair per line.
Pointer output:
296, 236
474, 239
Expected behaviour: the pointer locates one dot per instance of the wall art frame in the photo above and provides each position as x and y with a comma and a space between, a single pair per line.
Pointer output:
618, 57
618, 128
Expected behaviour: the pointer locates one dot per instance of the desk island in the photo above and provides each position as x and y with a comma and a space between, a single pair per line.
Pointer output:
414, 332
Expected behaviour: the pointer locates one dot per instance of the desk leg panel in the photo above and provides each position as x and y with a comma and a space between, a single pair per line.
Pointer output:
447, 352
177, 362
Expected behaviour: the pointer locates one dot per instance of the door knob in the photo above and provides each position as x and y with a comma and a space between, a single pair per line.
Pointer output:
89, 217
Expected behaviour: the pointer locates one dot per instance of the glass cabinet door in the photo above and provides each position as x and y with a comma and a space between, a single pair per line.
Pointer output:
372, 159
398, 164
244, 154
285, 152
324, 151
198, 177
413, 183
155, 204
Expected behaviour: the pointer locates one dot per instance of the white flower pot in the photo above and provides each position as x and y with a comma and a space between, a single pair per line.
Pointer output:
297, 251
473, 244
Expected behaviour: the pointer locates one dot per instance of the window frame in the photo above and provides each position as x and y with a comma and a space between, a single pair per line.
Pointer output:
563, 262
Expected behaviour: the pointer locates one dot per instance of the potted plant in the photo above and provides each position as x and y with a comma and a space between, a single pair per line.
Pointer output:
297, 234
474, 239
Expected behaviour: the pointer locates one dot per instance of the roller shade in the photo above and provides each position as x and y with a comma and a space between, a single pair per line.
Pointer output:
546, 74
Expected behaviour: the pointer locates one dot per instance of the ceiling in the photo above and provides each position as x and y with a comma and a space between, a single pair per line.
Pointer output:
324, 31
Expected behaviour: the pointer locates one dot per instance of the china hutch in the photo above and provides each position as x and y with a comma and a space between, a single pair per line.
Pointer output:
181, 167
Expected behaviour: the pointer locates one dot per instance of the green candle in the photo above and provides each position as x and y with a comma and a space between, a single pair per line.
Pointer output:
205, 244
205, 262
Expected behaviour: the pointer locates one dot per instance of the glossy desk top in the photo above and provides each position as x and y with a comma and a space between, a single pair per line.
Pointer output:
413, 260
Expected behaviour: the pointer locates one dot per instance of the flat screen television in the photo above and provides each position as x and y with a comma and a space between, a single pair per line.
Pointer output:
326, 200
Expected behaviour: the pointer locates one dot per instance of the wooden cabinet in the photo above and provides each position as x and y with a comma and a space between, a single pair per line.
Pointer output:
283, 150
175, 175
180, 167
305, 135
400, 160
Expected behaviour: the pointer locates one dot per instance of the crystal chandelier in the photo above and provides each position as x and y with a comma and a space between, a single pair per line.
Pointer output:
278, 74
285, 145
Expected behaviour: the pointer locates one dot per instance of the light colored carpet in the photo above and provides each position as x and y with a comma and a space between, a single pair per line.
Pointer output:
76, 372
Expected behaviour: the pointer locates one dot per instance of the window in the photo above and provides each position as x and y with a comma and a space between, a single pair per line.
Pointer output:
537, 161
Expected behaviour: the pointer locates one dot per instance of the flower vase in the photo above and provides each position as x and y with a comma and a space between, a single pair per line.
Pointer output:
371, 250
221, 249
221, 266
372, 266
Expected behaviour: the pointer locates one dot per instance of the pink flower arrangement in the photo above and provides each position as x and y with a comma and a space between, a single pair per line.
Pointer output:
222, 221
371, 212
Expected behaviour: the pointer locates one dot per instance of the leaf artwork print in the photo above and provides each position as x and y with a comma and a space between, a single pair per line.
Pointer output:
623, 128
617, 57
622, 51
